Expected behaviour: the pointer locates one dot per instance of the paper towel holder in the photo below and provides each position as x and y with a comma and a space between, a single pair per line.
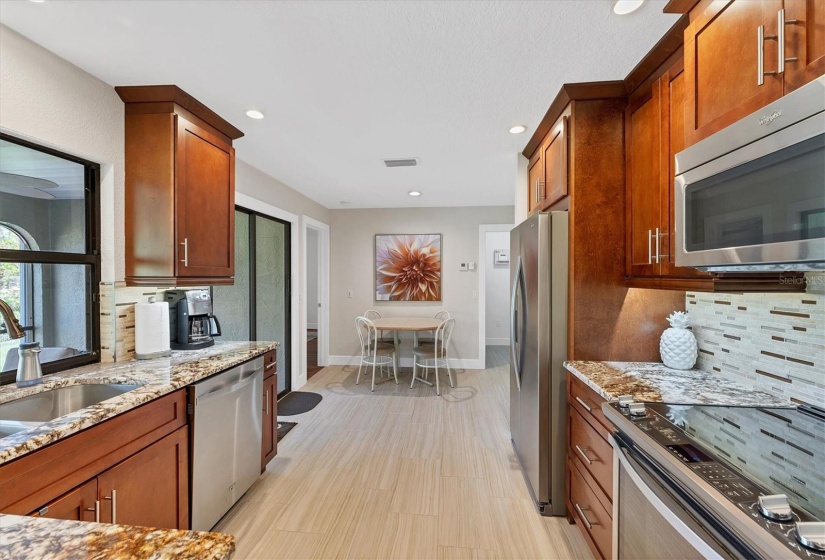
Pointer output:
160, 354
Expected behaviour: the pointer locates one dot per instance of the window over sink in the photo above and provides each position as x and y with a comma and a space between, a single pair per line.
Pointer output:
49, 254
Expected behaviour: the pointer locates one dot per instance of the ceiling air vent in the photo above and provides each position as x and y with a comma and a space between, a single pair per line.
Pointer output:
406, 162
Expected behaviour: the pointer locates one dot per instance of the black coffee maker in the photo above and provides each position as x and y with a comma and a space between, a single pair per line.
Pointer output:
194, 325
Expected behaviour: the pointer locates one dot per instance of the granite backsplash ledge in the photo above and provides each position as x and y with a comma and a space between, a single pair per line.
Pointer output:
766, 341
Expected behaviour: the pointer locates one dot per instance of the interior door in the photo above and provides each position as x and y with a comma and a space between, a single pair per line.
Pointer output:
204, 203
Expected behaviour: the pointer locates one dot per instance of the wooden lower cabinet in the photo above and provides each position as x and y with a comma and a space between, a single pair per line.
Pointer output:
149, 488
269, 448
589, 467
75, 505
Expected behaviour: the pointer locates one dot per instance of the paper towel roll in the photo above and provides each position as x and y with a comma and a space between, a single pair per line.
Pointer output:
151, 329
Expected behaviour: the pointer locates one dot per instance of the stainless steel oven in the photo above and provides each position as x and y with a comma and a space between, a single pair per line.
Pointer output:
752, 196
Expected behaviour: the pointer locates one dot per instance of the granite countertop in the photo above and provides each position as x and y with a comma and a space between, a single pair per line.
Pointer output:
23, 538
156, 378
655, 382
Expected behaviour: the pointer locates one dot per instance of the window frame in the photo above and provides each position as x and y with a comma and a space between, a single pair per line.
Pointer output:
91, 258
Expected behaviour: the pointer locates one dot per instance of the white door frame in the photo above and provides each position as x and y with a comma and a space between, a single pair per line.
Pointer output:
482, 287
246, 201
308, 223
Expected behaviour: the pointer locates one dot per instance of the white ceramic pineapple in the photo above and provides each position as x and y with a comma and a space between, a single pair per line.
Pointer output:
678, 345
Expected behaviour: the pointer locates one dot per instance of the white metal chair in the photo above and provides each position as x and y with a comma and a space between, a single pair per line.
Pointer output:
435, 354
373, 351
372, 314
441, 316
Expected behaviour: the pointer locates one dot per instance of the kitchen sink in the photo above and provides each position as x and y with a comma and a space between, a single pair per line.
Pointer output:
24, 413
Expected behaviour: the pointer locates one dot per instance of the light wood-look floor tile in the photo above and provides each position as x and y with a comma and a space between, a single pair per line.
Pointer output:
399, 473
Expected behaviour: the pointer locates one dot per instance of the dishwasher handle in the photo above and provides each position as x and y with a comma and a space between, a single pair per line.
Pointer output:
226, 390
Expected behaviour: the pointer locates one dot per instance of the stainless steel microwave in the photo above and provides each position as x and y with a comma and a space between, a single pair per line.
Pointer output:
751, 198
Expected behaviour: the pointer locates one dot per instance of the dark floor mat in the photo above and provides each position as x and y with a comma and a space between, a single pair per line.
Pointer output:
284, 427
298, 402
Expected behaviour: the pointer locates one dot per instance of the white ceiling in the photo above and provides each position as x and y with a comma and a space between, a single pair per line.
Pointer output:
345, 84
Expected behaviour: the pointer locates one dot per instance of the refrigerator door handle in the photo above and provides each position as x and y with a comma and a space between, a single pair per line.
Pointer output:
516, 346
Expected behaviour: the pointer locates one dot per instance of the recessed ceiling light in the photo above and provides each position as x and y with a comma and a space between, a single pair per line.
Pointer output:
38, 1
414, 193
624, 7
253, 114
518, 129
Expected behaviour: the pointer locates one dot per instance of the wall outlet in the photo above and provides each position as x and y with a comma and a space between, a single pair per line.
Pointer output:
475, 294
349, 294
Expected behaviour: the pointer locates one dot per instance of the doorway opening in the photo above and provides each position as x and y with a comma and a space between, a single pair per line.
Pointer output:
258, 306
315, 263
494, 297
313, 301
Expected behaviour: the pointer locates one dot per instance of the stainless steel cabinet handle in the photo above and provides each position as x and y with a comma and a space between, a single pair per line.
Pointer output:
581, 402
113, 499
780, 32
537, 190
650, 246
540, 185
185, 244
656, 240
267, 402
96, 509
43, 511
583, 516
760, 54
584, 455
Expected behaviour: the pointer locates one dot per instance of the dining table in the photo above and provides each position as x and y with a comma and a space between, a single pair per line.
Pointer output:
414, 325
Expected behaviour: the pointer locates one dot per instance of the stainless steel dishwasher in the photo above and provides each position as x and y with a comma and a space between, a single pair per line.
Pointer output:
226, 440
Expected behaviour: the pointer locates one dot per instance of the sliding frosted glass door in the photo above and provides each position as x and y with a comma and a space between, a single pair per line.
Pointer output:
232, 303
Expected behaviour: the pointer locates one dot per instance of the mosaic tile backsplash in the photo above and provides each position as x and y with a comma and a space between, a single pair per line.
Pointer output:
774, 342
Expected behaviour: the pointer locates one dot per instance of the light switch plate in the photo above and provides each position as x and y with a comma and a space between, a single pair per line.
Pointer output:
462, 267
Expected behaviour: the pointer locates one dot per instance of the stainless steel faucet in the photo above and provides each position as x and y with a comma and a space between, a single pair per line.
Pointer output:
12, 325
28, 355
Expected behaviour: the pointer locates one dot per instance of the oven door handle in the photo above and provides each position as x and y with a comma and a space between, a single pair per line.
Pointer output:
626, 462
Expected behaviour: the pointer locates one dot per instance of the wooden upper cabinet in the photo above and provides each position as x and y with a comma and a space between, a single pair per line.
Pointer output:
535, 180
804, 41
722, 70
554, 156
180, 189
643, 183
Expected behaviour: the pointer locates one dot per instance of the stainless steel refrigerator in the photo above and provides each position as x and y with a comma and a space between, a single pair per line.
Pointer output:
538, 347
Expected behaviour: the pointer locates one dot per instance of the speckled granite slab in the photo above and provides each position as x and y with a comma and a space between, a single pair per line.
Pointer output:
156, 377
653, 382
25, 538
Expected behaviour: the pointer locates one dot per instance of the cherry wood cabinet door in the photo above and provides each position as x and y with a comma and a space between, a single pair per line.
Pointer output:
75, 505
270, 420
149, 488
204, 203
805, 41
535, 178
643, 183
722, 77
554, 154
672, 91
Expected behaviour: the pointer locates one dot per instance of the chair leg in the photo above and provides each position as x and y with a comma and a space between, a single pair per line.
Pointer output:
360, 365
374, 359
395, 368
449, 371
437, 386
415, 365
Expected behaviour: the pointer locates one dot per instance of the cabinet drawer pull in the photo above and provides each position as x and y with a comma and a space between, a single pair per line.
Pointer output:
580, 511
267, 402
584, 455
43, 511
584, 404
270, 365
185, 244
113, 499
96, 509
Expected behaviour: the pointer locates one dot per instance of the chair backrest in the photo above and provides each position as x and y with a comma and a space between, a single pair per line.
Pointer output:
442, 315
372, 314
366, 334
443, 334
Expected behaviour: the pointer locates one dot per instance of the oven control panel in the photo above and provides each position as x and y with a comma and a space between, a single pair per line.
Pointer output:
731, 483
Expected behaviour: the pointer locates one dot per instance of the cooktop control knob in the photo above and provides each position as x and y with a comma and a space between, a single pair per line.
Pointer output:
637, 409
811, 535
625, 400
775, 507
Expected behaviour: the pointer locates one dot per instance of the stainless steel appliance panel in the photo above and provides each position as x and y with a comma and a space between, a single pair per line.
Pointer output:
538, 349
226, 440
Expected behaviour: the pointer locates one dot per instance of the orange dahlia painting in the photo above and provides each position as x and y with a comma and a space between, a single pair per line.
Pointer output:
408, 267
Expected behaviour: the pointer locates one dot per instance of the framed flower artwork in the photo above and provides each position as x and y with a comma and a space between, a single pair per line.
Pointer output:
408, 267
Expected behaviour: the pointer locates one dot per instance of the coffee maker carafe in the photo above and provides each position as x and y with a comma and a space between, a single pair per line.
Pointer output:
195, 325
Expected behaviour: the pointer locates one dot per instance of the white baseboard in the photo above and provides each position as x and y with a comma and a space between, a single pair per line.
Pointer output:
312, 326
457, 363
498, 342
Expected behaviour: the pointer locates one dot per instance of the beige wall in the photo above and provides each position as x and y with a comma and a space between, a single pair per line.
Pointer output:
352, 235
47, 100
257, 184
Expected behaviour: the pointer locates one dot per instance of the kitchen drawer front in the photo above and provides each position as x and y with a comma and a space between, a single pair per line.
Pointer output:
593, 519
589, 404
44, 475
592, 450
270, 364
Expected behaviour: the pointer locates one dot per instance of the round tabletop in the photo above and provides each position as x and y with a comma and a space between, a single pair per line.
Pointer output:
406, 324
